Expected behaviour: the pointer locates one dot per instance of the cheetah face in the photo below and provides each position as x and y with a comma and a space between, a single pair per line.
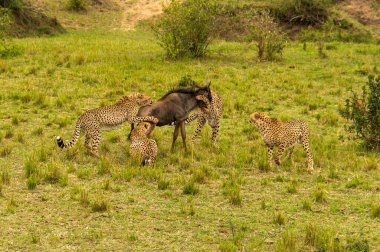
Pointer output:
144, 127
143, 100
203, 103
258, 118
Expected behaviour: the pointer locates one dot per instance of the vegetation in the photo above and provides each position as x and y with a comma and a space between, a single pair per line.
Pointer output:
76, 5
222, 197
186, 27
307, 12
269, 38
364, 113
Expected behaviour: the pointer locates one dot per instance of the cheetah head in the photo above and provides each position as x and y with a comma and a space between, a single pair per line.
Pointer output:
259, 118
142, 99
203, 103
143, 127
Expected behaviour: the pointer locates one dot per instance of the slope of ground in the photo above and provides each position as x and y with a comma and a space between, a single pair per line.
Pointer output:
139, 10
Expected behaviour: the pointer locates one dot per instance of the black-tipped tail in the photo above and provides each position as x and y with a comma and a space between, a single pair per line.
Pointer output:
60, 142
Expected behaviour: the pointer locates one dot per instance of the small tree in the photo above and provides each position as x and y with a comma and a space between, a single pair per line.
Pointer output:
267, 34
364, 112
186, 27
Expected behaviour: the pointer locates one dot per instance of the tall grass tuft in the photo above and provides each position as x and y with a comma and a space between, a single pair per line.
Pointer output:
53, 173
190, 188
5, 177
320, 195
279, 219
286, 243
99, 204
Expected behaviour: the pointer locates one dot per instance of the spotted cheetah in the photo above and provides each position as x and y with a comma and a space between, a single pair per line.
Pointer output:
143, 148
210, 113
93, 120
283, 135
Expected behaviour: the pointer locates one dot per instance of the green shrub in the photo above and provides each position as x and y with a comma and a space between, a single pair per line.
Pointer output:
14, 5
268, 36
305, 12
76, 5
186, 27
364, 114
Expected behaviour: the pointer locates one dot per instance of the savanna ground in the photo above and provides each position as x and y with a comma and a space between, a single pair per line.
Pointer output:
73, 201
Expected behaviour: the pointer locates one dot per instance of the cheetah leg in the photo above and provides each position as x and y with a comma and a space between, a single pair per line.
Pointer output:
95, 144
215, 131
289, 156
132, 127
270, 155
87, 142
305, 144
183, 134
201, 123
175, 135
281, 150
152, 126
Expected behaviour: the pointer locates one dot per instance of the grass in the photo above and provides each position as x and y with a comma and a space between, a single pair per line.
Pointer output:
72, 199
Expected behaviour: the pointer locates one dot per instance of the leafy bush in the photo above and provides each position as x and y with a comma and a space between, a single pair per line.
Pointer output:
76, 5
268, 36
306, 12
186, 27
364, 113
14, 5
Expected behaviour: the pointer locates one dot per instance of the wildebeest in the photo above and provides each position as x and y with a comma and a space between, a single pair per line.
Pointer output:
174, 107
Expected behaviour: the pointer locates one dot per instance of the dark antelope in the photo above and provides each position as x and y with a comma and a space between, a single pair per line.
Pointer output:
174, 107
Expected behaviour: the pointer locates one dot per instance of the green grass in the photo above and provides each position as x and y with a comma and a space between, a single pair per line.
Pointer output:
79, 202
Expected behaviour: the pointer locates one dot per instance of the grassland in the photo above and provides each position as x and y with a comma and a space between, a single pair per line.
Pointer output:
210, 198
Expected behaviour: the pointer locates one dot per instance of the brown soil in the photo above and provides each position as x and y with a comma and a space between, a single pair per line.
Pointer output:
138, 10
366, 12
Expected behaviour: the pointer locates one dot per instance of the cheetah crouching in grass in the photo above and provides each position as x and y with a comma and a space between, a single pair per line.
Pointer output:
142, 148
276, 133
211, 113
93, 120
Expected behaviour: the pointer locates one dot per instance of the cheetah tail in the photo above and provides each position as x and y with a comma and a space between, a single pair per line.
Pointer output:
75, 138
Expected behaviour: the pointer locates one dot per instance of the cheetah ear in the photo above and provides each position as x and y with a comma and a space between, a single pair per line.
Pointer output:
257, 116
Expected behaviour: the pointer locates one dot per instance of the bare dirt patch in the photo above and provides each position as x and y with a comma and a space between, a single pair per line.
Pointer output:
138, 10
366, 12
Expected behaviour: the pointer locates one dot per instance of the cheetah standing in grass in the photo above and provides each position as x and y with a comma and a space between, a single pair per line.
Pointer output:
212, 112
142, 148
93, 120
283, 135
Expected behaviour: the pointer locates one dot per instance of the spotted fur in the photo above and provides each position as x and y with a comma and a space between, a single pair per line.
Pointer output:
143, 148
211, 113
276, 133
93, 120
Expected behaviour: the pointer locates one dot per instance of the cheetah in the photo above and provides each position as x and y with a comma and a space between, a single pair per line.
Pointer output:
143, 148
93, 120
211, 113
276, 133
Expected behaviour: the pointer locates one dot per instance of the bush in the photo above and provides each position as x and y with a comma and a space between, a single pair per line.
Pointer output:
186, 27
364, 113
305, 12
76, 5
269, 38
14, 5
